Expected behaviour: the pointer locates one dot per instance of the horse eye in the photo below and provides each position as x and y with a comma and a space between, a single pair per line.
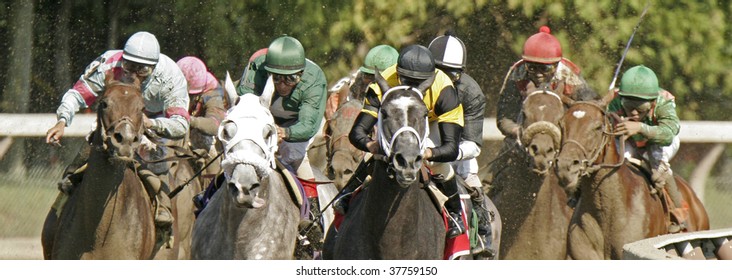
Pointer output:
229, 131
103, 105
268, 133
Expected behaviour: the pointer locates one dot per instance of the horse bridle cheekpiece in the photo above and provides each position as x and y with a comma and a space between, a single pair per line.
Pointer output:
386, 144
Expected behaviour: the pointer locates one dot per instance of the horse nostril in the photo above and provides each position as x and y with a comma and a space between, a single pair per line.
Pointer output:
254, 186
418, 159
118, 137
348, 172
400, 160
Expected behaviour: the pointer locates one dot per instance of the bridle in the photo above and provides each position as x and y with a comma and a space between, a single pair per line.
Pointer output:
589, 164
386, 144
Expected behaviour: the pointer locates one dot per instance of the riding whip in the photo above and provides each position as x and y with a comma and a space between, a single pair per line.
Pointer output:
627, 46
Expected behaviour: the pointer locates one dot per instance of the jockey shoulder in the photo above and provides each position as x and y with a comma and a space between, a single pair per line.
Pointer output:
301, 111
163, 85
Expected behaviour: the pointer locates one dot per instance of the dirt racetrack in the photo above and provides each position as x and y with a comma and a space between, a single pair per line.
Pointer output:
22, 248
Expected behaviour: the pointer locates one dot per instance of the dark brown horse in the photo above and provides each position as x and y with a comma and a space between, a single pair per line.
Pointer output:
109, 216
533, 206
394, 216
616, 206
343, 157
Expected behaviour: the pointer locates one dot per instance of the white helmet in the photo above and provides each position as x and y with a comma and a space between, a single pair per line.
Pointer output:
449, 51
142, 47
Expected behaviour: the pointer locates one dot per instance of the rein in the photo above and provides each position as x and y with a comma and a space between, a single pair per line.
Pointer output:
589, 164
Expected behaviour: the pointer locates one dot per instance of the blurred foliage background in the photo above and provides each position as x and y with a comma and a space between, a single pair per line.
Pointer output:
47, 44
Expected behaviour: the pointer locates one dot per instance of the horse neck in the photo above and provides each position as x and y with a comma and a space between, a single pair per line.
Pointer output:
386, 197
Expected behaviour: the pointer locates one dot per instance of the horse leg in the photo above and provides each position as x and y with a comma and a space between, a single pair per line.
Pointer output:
585, 240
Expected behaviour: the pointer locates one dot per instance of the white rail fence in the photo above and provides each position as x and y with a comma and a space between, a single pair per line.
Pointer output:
36, 125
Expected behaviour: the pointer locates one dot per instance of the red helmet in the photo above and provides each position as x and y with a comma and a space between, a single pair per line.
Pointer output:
542, 47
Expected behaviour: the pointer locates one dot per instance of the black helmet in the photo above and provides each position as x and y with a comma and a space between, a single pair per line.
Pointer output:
449, 51
416, 62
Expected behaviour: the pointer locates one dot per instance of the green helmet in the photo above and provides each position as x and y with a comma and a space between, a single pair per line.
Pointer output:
285, 56
381, 56
639, 82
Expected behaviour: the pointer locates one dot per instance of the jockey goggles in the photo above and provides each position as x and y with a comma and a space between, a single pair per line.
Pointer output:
533, 67
631, 104
141, 70
289, 80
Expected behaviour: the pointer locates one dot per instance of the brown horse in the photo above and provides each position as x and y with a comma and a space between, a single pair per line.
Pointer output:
533, 206
616, 206
343, 157
110, 215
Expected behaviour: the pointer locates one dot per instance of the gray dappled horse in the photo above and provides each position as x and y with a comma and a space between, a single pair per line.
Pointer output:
616, 206
393, 217
533, 206
109, 215
253, 216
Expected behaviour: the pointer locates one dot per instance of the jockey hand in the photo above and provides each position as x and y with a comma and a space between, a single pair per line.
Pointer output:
147, 122
628, 127
54, 134
428, 154
373, 147
281, 134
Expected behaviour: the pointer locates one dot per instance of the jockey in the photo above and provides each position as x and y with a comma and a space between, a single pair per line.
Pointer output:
297, 105
164, 93
415, 65
450, 57
207, 106
649, 121
542, 67
381, 57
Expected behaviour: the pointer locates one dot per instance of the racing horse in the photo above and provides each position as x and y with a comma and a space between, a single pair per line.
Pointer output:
253, 216
109, 215
343, 157
393, 217
615, 205
533, 206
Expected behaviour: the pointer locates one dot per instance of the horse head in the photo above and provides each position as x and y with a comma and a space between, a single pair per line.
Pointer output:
120, 119
542, 110
402, 128
584, 135
343, 157
249, 136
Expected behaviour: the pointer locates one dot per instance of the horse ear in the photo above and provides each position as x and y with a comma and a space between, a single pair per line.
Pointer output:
266, 98
230, 90
383, 85
607, 98
426, 83
566, 100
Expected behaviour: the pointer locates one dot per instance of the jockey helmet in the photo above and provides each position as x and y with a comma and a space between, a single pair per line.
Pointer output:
195, 72
381, 57
639, 82
142, 47
285, 56
416, 62
542, 47
449, 51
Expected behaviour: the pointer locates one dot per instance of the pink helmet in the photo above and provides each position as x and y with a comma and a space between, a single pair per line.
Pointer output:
195, 72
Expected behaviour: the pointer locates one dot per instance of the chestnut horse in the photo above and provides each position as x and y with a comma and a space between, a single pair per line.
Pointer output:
343, 157
533, 206
616, 206
109, 215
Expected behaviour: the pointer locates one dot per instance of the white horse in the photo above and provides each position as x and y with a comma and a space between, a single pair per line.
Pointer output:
253, 215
